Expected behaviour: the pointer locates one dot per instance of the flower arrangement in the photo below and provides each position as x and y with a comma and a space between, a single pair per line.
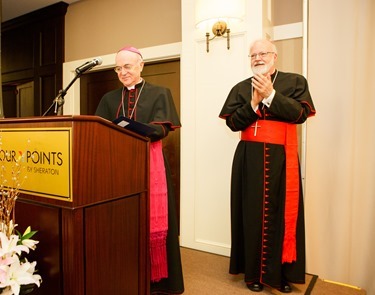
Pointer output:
17, 274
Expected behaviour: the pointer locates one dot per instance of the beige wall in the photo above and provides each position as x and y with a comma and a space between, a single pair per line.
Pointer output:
286, 11
97, 27
279, 13
341, 139
290, 55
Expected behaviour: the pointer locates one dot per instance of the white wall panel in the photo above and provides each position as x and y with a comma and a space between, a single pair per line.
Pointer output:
207, 143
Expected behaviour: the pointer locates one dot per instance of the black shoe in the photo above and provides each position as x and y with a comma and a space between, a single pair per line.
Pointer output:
255, 287
285, 287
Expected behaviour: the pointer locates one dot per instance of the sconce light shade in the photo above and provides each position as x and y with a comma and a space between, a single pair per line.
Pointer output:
217, 14
208, 12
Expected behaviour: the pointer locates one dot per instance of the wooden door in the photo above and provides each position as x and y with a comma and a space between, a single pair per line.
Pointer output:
167, 73
25, 100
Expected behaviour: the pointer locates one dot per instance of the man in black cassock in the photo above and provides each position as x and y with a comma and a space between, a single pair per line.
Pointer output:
267, 213
152, 105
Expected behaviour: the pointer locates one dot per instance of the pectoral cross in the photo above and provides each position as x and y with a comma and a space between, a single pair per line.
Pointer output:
255, 128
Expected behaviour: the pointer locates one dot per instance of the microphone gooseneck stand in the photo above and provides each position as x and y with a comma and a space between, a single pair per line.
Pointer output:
59, 101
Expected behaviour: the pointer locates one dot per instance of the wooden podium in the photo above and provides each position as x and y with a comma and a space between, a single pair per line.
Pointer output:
94, 239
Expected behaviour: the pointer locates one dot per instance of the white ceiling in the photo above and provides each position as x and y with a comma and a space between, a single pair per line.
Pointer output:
15, 8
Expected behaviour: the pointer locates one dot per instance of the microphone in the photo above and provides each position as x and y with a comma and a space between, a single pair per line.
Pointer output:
88, 65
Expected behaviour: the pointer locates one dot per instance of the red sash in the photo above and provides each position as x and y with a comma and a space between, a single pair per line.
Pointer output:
158, 213
284, 134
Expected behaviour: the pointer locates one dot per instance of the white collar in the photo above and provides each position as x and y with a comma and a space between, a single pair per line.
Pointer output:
133, 87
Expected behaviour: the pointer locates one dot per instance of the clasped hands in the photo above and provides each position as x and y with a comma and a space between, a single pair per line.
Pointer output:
262, 88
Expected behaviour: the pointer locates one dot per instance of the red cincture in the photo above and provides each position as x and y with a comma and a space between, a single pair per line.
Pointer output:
275, 132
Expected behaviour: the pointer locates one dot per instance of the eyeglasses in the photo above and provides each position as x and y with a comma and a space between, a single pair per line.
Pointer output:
260, 54
126, 67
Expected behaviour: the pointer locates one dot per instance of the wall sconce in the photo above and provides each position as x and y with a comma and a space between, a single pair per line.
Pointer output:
217, 14
219, 29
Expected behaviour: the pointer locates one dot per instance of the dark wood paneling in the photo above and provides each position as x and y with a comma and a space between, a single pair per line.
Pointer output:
49, 43
10, 100
46, 220
33, 50
73, 254
103, 233
46, 85
13, 43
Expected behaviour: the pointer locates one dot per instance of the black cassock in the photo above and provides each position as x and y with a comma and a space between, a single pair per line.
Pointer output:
256, 226
155, 108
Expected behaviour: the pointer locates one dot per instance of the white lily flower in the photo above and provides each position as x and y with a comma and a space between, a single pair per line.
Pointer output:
18, 274
31, 244
9, 246
8, 260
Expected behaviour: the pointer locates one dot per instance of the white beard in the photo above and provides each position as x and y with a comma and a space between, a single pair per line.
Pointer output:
262, 69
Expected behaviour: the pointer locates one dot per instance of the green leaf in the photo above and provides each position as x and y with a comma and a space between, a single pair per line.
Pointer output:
28, 234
